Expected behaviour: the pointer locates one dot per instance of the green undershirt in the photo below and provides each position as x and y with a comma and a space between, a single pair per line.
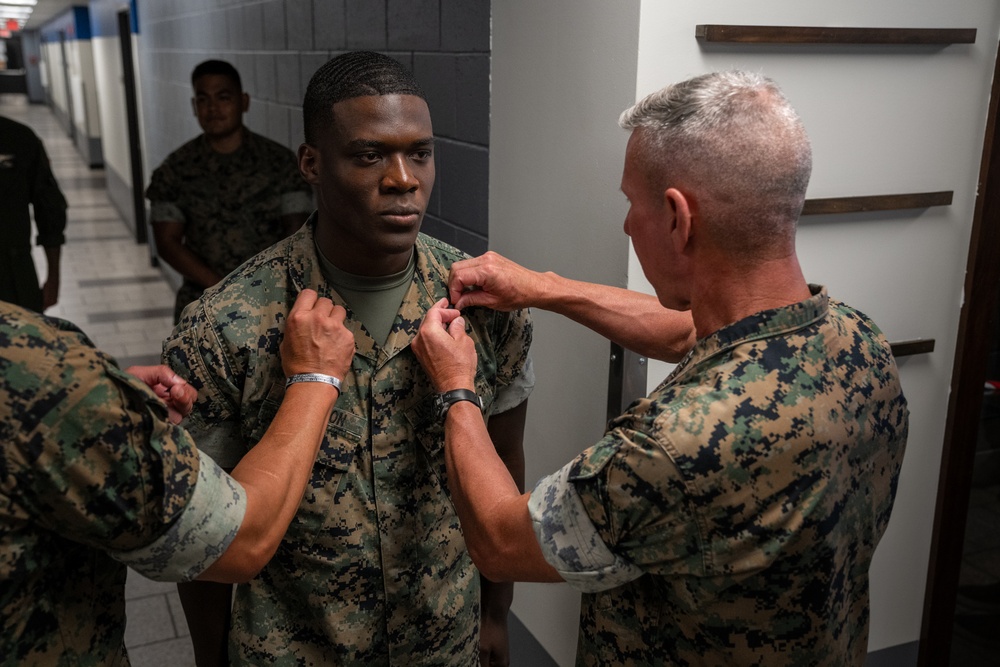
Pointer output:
374, 300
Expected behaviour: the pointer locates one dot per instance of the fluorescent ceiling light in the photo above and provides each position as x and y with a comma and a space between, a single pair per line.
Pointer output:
14, 13
21, 3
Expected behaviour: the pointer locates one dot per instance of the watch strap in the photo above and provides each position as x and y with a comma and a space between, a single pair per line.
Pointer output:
446, 399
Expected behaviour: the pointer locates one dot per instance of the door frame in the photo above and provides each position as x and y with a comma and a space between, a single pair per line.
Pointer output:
982, 284
124, 19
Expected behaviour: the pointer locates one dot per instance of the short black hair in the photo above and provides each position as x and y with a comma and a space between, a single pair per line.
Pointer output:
354, 74
220, 67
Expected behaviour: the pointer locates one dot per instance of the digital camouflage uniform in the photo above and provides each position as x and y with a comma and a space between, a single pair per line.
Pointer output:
93, 477
231, 204
730, 518
26, 179
373, 569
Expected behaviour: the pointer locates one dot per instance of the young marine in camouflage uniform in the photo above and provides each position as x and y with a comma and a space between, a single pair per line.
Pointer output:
225, 195
730, 517
95, 475
374, 569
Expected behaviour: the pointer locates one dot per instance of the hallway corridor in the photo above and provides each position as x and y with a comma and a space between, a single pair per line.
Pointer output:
109, 289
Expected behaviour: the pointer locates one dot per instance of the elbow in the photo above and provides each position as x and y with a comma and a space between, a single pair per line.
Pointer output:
245, 574
493, 562
240, 563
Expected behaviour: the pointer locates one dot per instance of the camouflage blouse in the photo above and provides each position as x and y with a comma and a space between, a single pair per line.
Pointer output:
730, 518
231, 205
93, 477
373, 569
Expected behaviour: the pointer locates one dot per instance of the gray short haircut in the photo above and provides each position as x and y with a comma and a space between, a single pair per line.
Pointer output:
734, 139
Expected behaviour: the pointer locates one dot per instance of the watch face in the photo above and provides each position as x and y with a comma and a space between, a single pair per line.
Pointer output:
441, 407
444, 401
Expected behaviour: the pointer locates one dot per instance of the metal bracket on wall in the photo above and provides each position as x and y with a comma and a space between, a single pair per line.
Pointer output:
626, 379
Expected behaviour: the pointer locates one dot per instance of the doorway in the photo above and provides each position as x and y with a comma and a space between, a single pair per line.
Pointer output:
961, 620
132, 116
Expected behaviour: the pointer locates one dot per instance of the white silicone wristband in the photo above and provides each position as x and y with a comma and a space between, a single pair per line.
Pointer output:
313, 377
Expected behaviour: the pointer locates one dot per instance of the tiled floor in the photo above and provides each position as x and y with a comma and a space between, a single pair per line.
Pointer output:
109, 289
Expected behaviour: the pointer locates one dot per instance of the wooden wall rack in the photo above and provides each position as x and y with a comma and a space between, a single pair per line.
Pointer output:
833, 205
781, 34
905, 348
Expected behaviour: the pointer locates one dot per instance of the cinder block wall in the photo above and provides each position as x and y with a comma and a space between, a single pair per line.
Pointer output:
277, 45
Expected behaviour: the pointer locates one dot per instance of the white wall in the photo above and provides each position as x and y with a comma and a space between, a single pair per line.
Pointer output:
111, 96
52, 54
86, 114
562, 70
884, 120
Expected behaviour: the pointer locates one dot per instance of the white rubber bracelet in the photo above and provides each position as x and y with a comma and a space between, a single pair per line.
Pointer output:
313, 377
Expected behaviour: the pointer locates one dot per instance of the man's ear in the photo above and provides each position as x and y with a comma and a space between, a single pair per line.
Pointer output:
194, 107
682, 226
246, 102
309, 164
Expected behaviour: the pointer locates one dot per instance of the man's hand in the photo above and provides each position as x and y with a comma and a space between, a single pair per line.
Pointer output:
316, 340
494, 645
50, 293
445, 350
493, 281
169, 386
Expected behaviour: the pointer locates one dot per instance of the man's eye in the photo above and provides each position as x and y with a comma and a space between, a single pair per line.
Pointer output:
369, 157
423, 155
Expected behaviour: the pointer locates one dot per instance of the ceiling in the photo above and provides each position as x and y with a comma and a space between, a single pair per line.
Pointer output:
46, 9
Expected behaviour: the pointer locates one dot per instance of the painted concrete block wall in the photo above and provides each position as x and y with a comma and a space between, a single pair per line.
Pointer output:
277, 45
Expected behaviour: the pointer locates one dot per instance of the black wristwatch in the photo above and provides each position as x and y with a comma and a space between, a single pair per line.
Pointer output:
445, 400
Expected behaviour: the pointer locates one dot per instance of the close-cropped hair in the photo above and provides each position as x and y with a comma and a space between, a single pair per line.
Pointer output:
220, 67
734, 137
354, 74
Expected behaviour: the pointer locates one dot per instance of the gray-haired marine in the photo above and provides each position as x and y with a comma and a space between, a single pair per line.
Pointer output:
730, 517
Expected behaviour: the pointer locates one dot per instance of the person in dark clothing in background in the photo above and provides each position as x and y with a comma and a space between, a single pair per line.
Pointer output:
26, 184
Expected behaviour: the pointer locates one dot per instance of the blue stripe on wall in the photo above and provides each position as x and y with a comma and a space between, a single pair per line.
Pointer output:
104, 17
74, 23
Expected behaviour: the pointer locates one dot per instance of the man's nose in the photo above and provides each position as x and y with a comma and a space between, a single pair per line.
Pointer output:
399, 176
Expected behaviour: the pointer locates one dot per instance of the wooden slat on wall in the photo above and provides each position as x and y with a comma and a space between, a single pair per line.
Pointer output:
831, 205
905, 348
777, 34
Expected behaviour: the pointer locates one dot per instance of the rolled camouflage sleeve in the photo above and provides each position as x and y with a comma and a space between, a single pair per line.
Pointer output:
195, 353
617, 511
204, 530
569, 540
515, 372
102, 464
164, 194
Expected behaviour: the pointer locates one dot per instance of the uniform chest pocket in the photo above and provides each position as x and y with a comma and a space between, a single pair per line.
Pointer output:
331, 471
428, 429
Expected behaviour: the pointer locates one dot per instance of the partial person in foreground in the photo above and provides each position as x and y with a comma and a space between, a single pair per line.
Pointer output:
97, 476
374, 569
28, 186
730, 517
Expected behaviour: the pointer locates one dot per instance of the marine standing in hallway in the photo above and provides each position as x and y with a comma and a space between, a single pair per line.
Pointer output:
225, 195
374, 570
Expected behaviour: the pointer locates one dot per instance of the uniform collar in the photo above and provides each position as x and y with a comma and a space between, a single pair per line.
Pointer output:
759, 326
427, 288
